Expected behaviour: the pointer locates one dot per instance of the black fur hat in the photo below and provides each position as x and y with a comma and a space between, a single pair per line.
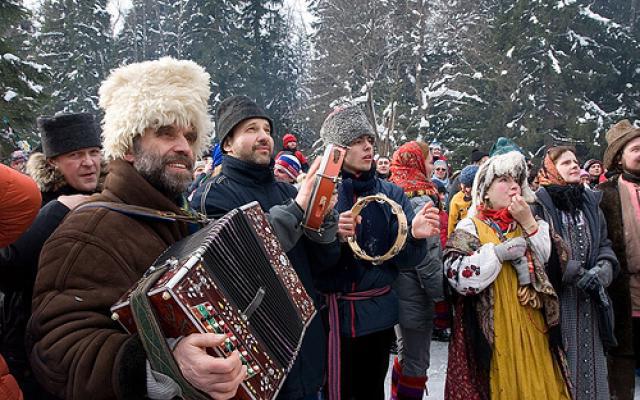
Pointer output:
68, 132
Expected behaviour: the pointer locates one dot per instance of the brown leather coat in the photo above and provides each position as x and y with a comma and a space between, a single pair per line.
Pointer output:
621, 358
88, 263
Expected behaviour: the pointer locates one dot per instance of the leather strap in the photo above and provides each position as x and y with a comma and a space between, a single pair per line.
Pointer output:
158, 352
145, 212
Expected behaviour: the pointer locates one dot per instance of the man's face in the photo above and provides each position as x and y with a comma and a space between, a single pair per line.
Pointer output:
251, 141
595, 170
436, 151
382, 165
165, 158
359, 156
292, 145
80, 168
631, 157
282, 176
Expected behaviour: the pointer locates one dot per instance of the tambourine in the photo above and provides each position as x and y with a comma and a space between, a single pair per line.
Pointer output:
328, 176
401, 238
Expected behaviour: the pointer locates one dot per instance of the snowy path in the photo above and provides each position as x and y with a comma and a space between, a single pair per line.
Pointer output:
438, 371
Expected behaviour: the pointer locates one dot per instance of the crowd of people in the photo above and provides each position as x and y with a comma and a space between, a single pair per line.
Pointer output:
532, 274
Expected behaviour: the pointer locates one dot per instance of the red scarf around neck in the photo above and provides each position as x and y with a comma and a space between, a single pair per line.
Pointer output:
501, 217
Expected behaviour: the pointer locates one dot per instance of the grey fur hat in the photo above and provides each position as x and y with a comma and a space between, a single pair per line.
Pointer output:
344, 125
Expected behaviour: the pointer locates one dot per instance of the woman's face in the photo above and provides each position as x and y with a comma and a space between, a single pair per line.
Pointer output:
428, 165
568, 167
500, 192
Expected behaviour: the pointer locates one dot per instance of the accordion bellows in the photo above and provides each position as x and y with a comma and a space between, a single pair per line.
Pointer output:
233, 277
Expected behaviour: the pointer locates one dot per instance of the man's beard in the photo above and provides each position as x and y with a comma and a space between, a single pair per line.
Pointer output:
629, 170
152, 167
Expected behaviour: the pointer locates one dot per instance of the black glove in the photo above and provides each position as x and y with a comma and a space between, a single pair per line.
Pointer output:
590, 283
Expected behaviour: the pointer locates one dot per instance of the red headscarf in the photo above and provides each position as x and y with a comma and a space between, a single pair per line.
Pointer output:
409, 172
548, 174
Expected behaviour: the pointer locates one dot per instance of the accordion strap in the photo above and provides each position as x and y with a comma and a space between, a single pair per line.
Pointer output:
145, 212
153, 340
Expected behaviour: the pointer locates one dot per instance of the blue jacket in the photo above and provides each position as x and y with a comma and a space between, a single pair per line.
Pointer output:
375, 234
242, 182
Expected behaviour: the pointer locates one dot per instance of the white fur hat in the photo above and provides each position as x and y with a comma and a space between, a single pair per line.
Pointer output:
512, 163
152, 94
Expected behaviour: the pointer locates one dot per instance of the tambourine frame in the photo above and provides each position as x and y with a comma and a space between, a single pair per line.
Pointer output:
327, 177
401, 238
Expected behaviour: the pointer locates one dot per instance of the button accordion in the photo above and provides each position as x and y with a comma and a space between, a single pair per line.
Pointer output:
233, 278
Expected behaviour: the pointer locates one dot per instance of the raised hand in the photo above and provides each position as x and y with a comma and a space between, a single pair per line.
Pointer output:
426, 223
521, 212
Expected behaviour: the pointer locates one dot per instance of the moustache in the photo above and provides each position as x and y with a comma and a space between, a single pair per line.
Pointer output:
262, 143
179, 160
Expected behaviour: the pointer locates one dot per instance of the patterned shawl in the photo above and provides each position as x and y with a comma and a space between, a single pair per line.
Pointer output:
409, 172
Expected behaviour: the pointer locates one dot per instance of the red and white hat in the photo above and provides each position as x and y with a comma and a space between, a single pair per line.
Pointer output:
289, 164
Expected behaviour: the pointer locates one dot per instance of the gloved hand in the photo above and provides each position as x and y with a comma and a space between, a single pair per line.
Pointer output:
511, 249
521, 265
589, 282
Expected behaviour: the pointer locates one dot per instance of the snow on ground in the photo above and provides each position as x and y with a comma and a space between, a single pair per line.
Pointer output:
438, 372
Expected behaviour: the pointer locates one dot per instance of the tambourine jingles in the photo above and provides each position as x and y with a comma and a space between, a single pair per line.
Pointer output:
403, 229
328, 176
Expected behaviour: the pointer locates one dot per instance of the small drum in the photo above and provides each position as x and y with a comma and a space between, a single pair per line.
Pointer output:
401, 238
328, 176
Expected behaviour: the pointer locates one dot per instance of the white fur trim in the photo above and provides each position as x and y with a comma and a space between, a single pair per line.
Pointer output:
152, 94
512, 163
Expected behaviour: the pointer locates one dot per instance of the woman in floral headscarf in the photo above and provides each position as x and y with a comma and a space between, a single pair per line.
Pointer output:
506, 308
417, 288
581, 266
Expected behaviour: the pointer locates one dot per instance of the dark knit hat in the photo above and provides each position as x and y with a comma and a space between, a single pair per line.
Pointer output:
477, 154
68, 132
590, 163
234, 110
468, 174
344, 125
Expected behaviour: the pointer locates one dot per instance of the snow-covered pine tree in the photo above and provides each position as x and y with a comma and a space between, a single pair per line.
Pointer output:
75, 40
574, 71
21, 91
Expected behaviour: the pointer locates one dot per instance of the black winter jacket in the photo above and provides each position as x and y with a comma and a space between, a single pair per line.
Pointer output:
242, 182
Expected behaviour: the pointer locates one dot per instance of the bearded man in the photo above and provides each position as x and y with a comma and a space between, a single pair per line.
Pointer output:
621, 207
155, 122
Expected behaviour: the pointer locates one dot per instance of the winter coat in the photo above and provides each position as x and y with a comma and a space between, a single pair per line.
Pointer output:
242, 182
91, 260
458, 209
375, 235
622, 381
418, 288
9, 389
19, 204
19, 264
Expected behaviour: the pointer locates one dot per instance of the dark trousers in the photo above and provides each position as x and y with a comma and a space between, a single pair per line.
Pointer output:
365, 361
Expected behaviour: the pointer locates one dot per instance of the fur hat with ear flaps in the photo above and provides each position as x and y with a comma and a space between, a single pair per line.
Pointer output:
505, 159
152, 94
